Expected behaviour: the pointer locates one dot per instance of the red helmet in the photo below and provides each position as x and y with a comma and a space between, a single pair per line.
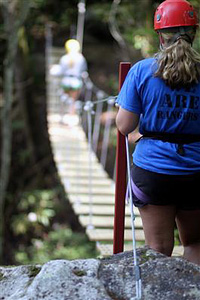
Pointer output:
175, 13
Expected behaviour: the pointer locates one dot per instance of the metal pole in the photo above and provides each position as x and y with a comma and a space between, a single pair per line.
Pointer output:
80, 24
120, 186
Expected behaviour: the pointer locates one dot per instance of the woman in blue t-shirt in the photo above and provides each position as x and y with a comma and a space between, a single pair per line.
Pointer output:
162, 95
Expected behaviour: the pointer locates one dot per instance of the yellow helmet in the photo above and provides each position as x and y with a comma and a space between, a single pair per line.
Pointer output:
72, 45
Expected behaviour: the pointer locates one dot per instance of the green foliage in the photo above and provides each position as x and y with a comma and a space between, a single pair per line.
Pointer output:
197, 42
60, 243
23, 156
39, 3
22, 40
135, 23
195, 3
35, 211
113, 84
176, 238
146, 43
60, 13
18, 124
99, 12
32, 222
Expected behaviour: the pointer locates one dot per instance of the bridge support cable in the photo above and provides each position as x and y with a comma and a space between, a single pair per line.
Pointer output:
89, 110
97, 124
106, 134
88, 90
88, 94
78, 108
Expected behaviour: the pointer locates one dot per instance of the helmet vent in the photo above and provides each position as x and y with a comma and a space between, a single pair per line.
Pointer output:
191, 14
158, 17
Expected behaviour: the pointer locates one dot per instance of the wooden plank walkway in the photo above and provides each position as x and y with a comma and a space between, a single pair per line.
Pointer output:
89, 188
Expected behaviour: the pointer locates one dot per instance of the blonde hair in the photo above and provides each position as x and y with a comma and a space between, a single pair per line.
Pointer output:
72, 46
178, 64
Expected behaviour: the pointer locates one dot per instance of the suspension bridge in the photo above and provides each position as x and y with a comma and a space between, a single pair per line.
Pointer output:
74, 140
90, 189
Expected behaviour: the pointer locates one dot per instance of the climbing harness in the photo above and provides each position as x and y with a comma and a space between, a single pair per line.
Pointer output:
138, 282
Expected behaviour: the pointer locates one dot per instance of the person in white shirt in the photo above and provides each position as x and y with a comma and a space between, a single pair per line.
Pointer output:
72, 67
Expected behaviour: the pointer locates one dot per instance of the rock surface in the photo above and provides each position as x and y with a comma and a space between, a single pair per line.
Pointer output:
163, 278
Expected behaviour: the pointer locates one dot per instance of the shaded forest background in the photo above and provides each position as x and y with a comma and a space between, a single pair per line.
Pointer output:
38, 221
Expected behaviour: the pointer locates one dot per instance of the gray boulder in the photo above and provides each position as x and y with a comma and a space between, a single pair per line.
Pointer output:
162, 277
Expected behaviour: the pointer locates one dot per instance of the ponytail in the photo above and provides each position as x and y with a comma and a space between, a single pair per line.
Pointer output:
178, 64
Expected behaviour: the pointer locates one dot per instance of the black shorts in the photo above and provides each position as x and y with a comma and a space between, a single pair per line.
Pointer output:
183, 191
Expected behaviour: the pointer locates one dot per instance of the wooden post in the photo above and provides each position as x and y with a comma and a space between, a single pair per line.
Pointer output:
120, 187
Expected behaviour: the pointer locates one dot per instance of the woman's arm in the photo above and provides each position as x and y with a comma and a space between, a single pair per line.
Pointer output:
126, 121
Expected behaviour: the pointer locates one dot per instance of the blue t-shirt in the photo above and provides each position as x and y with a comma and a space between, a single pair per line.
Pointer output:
162, 109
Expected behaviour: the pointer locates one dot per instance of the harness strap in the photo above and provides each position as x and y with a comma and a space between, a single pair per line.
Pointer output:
137, 192
176, 138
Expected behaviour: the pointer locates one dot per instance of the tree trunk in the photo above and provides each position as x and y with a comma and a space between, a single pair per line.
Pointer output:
21, 102
14, 13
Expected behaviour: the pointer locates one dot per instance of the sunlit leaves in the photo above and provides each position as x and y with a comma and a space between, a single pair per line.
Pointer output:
35, 212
